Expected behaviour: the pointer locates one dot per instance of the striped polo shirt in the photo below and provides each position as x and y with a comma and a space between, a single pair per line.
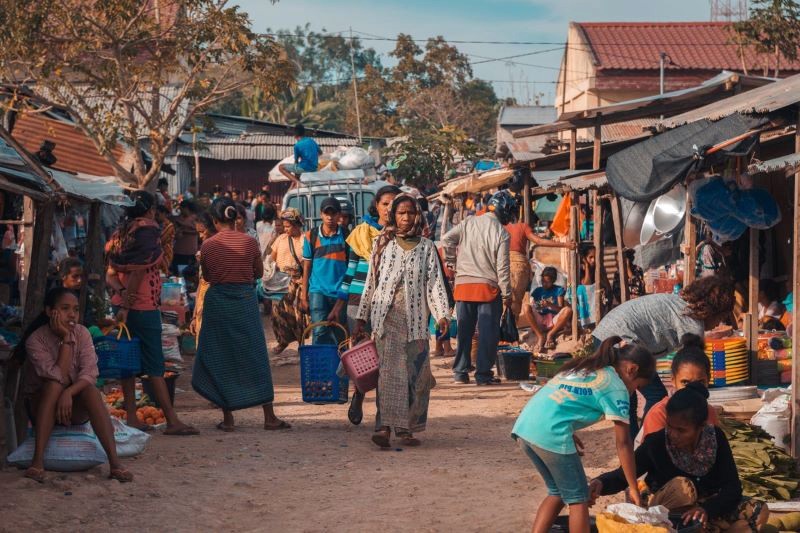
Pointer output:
230, 257
329, 262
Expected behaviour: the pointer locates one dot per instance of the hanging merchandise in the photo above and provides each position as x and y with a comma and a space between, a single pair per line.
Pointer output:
560, 225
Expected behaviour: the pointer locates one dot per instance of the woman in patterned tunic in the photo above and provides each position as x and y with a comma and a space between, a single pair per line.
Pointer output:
404, 285
232, 368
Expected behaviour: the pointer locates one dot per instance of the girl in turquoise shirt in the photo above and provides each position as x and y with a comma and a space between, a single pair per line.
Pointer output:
582, 393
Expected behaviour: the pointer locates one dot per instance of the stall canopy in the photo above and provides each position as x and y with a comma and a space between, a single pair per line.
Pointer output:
649, 169
787, 163
103, 189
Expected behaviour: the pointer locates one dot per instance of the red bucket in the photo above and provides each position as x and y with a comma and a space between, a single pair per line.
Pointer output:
361, 364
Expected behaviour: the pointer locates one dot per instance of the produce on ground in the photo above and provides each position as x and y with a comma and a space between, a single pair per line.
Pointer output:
146, 412
767, 472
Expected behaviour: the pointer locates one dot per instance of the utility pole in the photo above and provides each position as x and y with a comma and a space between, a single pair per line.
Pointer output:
355, 84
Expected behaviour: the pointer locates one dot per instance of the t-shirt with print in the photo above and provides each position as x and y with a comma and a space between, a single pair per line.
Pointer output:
569, 402
546, 300
329, 262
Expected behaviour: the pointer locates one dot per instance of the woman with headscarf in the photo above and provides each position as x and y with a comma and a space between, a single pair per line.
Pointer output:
232, 367
404, 286
288, 321
360, 242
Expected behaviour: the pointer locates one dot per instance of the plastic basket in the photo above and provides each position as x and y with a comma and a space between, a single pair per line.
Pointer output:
548, 369
361, 364
516, 365
318, 364
118, 358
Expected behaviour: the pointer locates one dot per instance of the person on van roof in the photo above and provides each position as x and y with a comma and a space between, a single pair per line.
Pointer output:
325, 264
306, 156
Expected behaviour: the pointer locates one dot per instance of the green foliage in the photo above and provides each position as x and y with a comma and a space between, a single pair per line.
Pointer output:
772, 28
134, 71
424, 158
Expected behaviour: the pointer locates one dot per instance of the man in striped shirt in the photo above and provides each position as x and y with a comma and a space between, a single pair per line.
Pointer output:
325, 264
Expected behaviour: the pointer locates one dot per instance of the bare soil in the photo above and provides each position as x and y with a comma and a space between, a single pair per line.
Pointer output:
322, 475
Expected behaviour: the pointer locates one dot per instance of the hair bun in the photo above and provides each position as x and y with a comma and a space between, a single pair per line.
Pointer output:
697, 387
230, 212
690, 340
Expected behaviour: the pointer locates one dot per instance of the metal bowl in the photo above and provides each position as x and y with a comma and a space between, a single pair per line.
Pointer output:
632, 218
648, 232
669, 209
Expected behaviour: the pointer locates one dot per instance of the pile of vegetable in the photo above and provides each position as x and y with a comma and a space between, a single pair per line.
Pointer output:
766, 471
146, 411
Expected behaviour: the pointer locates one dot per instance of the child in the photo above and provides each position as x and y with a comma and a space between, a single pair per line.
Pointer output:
690, 365
690, 469
551, 314
582, 393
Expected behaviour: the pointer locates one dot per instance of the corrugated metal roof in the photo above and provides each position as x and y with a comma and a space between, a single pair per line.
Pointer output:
530, 115
236, 125
766, 99
104, 189
689, 45
621, 130
257, 146
787, 163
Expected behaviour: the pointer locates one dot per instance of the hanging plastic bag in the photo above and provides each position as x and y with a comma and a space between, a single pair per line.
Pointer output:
508, 327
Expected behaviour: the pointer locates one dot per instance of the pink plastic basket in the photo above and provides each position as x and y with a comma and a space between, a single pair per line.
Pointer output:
361, 364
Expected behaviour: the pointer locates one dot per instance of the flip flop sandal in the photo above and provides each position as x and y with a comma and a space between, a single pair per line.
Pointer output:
36, 474
121, 475
355, 414
227, 429
181, 432
381, 438
551, 345
283, 425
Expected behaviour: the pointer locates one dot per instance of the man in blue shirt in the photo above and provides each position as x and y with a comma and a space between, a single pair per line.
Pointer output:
306, 156
325, 264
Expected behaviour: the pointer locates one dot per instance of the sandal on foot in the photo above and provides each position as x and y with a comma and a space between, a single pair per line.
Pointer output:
409, 440
280, 425
381, 438
36, 474
181, 431
355, 414
120, 474
550, 345
227, 429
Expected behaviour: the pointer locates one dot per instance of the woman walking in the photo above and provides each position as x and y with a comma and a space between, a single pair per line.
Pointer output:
232, 368
288, 322
404, 285
136, 257
360, 241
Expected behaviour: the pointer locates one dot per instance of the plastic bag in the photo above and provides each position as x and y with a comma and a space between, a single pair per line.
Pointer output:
70, 449
355, 158
508, 327
130, 441
170, 344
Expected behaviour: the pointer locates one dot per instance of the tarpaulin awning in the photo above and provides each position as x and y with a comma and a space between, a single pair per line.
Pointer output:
787, 163
104, 189
650, 168
548, 180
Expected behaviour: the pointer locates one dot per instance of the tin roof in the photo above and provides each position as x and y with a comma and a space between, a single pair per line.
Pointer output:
530, 115
253, 146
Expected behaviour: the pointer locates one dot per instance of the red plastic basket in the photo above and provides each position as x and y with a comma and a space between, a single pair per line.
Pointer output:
361, 364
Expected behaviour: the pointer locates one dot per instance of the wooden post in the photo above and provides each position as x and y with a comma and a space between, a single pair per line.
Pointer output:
795, 429
526, 197
28, 212
40, 254
690, 240
574, 262
751, 319
93, 269
623, 281
597, 216
597, 144
573, 146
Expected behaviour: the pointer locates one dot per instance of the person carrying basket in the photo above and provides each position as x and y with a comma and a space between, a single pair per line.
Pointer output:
405, 278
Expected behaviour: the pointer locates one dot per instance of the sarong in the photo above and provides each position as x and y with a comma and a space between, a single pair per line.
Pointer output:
405, 383
231, 368
520, 280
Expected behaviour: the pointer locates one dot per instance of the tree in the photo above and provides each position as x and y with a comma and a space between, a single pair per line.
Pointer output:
424, 158
135, 71
772, 28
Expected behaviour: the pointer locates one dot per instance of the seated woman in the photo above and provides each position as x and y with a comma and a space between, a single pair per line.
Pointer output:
551, 313
689, 469
61, 370
690, 365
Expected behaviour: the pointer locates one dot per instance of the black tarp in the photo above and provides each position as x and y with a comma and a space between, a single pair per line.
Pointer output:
646, 170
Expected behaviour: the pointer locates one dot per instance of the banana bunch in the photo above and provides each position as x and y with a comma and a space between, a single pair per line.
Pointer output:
766, 471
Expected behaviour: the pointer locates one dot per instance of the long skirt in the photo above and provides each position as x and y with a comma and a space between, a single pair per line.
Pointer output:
520, 280
231, 368
405, 382
288, 321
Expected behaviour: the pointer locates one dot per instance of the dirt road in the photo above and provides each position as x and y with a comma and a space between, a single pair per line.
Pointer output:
322, 475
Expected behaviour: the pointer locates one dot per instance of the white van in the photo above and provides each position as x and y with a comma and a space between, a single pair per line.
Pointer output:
344, 185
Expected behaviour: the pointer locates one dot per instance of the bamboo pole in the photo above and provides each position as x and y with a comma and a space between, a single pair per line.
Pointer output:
795, 429
526, 197
598, 249
573, 146
574, 259
751, 319
597, 145
690, 240
623, 281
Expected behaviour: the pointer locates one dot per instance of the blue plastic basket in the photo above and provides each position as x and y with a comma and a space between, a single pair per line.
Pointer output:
318, 365
118, 358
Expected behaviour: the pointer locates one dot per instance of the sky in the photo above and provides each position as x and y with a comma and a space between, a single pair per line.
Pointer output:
528, 21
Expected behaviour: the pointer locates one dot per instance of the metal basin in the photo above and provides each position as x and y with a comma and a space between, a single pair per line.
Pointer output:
669, 209
648, 232
632, 220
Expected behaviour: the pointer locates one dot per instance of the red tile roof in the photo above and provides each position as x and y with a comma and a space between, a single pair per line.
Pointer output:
689, 45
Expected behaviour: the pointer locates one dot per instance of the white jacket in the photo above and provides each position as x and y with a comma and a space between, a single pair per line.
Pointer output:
424, 288
482, 244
